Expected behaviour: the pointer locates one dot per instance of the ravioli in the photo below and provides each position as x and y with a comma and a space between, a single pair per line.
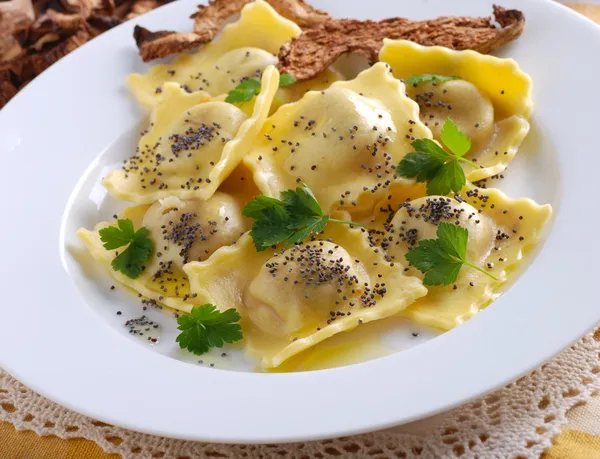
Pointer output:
296, 297
501, 231
244, 49
491, 101
181, 231
192, 145
343, 142
294, 92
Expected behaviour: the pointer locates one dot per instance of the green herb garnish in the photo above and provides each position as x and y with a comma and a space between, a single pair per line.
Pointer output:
290, 219
244, 91
285, 79
432, 164
441, 259
250, 87
207, 327
131, 261
427, 77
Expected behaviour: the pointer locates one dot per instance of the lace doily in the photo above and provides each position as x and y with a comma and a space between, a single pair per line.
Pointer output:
517, 421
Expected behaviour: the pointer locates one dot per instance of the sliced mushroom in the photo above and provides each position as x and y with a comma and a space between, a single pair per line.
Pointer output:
30, 66
300, 12
88, 7
52, 26
317, 48
143, 6
15, 15
7, 87
10, 48
154, 45
101, 23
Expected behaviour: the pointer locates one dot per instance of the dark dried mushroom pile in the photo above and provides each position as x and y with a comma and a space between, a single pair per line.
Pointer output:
35, 34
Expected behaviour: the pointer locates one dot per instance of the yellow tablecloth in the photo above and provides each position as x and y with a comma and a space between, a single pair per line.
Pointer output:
580, 439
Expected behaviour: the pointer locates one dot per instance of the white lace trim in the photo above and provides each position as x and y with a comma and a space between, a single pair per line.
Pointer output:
519, 420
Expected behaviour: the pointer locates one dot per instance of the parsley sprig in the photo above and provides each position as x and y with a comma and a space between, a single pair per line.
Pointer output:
441, 259
250, 87
290, 219
414, 80
432, 164
130, 261
207, 327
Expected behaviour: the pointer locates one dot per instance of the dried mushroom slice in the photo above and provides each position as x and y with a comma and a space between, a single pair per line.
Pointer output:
101, 23
15, 15
300, 12
8, 88
53, 26
10, 48
86, 8
154, 45
317, 48
143, 6
32, 65
209, 19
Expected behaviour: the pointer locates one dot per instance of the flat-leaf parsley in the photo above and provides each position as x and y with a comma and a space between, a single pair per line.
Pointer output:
290, 219
432, 164
441, 259
131, 260
250, 87
207, 327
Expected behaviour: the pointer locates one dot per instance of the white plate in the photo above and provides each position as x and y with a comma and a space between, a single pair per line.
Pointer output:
77, 117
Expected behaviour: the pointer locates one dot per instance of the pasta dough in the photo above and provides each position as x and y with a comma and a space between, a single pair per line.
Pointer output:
296, 297
181, 231
501, 231
244, 49
192, 145
343, 142
491, 102
202, 160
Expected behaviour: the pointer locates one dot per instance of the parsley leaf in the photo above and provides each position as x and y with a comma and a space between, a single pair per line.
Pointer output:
271, 228
131, 261
255, 207
432, 164
115, 237
250, 87
207, 327
244, 91
414, 80
449, 177
441, 259
285, 79
455, 140
291, 219
303, 201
